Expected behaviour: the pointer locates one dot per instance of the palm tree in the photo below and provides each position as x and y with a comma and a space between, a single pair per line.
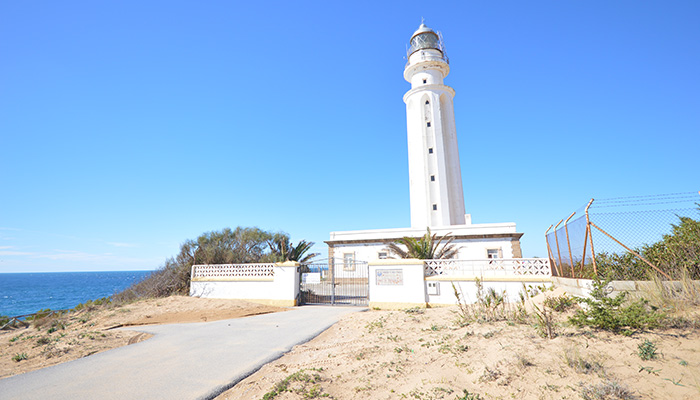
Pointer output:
425, 248
284, 250
298, 252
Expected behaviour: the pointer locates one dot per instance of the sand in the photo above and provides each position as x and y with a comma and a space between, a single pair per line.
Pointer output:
425, 354
409, 354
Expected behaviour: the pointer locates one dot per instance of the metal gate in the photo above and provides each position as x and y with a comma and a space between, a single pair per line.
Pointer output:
335, 282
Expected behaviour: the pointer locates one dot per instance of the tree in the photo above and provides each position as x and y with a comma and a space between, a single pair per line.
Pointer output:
238, 246
425, 248
284, 250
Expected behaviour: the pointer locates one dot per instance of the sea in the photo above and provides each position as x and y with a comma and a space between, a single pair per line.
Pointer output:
26, 293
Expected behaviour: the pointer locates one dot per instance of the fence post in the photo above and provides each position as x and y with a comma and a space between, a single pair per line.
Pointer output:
585, 243
568, 243
590, 236
550, 253
556, 239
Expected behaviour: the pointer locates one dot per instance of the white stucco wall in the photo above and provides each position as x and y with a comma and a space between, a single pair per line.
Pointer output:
282, 289
468, 249
446, 295
406, 293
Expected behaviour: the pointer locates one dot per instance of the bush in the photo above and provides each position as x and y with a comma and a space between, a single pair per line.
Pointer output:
238, 246
610, 313
676, 254
560, 303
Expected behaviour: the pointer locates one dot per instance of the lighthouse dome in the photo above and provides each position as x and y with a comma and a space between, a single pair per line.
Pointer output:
425, 38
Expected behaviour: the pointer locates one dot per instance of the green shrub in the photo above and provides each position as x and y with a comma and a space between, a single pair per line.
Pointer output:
676, 254
304, 380
560, 303
611, 313
646, 350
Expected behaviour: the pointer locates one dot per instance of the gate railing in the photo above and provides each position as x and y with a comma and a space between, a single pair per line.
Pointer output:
489, 267
338, 282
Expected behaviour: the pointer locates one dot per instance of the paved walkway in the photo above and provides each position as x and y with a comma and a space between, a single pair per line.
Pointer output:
182, 361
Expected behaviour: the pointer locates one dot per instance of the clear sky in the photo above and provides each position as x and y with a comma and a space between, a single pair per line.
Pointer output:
128, 127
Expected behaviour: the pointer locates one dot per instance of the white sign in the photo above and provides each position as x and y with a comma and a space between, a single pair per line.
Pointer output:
311, 277
392, 277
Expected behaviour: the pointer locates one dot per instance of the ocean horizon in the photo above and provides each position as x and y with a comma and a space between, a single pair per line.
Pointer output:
28, 292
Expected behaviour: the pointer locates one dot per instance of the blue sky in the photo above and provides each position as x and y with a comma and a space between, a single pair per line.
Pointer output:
129, 127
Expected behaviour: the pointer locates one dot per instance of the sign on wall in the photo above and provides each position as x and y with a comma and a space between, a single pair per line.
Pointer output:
311, 277
389, 277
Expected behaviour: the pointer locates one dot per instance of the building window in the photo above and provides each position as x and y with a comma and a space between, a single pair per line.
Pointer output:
425, 81
383, 255
434, 207
432, 178
493, 253
428, 124
430, 150
348, 261
427, 102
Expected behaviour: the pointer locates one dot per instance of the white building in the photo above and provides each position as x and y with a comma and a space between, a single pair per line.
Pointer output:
436, 194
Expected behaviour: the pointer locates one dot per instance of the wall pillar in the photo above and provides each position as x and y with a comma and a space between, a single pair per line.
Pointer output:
397, 284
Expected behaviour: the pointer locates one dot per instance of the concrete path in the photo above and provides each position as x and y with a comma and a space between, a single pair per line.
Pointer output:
182, 361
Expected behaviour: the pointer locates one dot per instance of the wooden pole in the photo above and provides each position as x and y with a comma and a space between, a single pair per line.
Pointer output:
590, 237
585, 243
549, 251
568, 243
631, 251
556, 239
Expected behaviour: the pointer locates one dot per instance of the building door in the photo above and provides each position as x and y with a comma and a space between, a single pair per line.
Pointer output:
335, 282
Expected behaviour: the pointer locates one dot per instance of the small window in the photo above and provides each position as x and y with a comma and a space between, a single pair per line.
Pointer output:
432, 178
348, 261
427, 102
493, 253
383, 255
430, 150
434, 207
425, 81
428, 124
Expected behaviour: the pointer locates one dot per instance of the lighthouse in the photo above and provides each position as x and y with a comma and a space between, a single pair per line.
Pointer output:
435, 177
436, 194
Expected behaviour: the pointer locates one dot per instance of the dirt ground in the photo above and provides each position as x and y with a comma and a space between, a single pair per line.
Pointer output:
426, 354
83, 333
409, 354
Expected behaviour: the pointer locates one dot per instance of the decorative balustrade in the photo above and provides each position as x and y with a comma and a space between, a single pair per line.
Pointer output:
205, 271
489, 267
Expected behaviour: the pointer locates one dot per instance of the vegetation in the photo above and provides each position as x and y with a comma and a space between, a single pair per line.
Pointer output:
301, 383
608, 389
490, 306
646, 350
284, 250
676, 254
614, 313
228, 246
425, 248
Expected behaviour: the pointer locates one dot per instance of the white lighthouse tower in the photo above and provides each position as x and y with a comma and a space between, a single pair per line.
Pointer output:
435, 176
436, 195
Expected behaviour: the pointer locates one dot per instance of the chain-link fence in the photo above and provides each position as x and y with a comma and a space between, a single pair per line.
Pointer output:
629, 238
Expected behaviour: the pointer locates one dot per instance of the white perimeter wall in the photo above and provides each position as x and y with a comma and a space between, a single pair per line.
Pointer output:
469, 249
282, 289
